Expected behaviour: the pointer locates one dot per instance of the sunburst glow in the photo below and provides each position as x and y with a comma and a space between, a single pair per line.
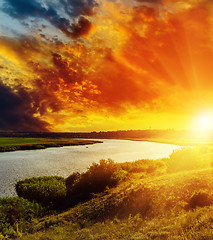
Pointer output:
204, 122
91, 65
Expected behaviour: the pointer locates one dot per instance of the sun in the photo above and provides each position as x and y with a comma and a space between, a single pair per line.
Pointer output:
204, 122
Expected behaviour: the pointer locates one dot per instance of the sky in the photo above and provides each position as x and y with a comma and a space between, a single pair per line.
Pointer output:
99, 65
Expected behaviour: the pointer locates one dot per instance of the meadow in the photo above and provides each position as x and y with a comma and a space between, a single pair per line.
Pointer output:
196, 141
168, 198
19, 143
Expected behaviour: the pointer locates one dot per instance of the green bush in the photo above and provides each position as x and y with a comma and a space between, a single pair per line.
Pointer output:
81, 187
49, 191
16, 211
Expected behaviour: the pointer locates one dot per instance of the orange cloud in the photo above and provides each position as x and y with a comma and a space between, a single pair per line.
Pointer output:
144, 60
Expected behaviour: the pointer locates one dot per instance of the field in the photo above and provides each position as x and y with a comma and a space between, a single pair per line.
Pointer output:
163, 199
13, 143
177, 141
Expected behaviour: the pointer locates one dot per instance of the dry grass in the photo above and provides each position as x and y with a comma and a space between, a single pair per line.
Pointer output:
147, 208
151, 204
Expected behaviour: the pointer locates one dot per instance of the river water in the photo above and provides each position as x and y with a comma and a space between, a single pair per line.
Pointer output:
63, 161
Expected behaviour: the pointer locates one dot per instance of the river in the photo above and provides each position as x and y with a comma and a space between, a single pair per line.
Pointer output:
18, 165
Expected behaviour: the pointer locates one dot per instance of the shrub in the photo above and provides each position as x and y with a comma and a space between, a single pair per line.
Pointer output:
72, 179
49, 191
185, 159
81, 187
15, 211
199, 199
146, 166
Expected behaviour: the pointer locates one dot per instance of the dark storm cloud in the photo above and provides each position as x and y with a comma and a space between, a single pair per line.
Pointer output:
22, 9
81, 28
16, 111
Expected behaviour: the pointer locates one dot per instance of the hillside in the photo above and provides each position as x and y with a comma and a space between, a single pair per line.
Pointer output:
164, 199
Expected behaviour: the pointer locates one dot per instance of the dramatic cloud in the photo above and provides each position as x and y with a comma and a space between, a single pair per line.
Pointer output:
79, 7
102, 65
17, 111
22, 9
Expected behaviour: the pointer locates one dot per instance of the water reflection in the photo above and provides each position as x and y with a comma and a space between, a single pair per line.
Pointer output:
63, 161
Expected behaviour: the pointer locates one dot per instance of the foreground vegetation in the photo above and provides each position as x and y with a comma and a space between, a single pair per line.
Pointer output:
15, 143
164, 199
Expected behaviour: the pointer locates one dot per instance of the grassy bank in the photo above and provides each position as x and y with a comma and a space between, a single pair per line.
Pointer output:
163, 199
14, 144
159, 208
177, 141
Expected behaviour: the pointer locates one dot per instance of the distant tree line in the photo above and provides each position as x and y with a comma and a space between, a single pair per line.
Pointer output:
99, 135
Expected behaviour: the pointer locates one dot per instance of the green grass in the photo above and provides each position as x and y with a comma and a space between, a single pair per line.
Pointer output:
147, 208
194, 225
15, 141
13, 144
164, 199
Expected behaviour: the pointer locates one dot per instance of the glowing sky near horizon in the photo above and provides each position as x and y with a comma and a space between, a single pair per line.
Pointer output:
86, 65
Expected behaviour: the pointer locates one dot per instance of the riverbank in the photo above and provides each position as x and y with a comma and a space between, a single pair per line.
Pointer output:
163, 199
9, 144
63, 161
178, 142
